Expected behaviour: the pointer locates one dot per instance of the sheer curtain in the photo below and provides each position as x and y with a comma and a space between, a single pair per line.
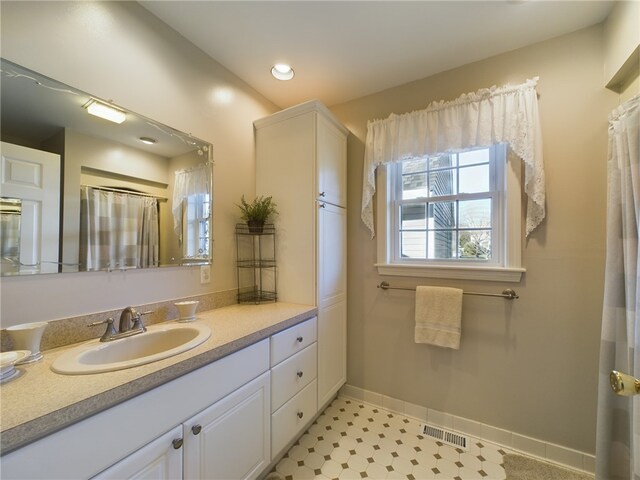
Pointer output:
618, 430
192, 181
117, 230
507, 114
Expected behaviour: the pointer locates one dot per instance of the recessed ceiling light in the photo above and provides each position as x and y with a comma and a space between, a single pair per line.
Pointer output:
282, 71
102, 110
148, 140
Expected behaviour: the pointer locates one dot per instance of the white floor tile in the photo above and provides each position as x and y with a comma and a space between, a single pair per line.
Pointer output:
354, 440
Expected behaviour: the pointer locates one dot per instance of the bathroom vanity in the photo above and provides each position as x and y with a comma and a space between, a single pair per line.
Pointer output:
225, 409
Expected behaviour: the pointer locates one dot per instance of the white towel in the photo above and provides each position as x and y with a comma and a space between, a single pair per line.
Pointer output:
438, 316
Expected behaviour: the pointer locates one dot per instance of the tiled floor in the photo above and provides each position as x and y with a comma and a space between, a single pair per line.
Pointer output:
354, 440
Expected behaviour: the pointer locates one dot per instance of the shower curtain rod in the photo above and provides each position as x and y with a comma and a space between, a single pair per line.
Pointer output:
129, 192
507, 293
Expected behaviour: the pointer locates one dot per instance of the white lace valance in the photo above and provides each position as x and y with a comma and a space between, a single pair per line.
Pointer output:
507, 114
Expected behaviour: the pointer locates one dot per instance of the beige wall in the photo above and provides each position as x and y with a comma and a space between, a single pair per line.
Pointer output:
118, 51
529, 366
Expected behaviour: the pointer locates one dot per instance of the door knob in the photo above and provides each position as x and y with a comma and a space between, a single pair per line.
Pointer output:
623, 384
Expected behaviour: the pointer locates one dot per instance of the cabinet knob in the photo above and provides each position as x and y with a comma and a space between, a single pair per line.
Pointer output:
300, 414
177, 443
196, 429
300, 374
321, 194
323, 205
299, 339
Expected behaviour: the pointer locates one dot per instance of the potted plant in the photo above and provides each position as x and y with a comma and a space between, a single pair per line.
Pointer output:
257, 212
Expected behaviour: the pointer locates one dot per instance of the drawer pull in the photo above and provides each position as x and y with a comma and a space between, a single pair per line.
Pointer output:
196, 429
299, 339
300, 374
300, 414
177, 443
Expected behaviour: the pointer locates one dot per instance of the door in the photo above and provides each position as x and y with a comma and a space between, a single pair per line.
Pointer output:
159, 460
332, 301
231, 439
331, 163
33, 176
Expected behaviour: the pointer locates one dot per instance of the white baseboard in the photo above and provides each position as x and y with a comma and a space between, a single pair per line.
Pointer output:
532, 447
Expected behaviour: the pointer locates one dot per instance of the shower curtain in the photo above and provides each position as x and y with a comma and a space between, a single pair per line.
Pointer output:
117, 230
618, 429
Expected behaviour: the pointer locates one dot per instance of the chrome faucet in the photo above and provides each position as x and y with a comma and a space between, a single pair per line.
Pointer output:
130, 324
128, 319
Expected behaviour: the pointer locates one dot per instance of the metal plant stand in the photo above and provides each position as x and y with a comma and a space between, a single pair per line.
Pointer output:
256, 264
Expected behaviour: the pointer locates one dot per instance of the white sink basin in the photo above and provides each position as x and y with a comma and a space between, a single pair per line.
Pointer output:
156, 343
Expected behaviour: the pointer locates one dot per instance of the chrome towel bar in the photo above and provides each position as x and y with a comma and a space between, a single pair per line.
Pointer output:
507, 293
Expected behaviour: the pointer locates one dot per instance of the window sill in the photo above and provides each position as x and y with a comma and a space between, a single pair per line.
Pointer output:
490, 274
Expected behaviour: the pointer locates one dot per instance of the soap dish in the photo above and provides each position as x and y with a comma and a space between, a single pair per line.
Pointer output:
8, 361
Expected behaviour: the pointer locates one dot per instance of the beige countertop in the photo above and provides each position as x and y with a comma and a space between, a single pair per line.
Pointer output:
39, 402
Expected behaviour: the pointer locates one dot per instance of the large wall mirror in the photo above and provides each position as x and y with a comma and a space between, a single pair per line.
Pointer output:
87, 185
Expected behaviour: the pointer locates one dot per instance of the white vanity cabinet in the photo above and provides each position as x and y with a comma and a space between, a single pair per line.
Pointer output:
229, 399
301, 156
228, 440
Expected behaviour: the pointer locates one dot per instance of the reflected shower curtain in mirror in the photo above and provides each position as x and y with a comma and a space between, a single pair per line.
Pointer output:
618, 429
117, 230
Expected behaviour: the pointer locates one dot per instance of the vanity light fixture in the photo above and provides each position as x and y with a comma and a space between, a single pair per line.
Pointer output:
148, 140
282, 71
102, 110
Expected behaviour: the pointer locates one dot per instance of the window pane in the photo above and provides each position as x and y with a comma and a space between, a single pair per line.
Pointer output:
474, 179
473, 156
442, 244
414, 186
414, 165
475, 244
442, 182
475, 213
443, 161
442, 215
413, 244
413, 217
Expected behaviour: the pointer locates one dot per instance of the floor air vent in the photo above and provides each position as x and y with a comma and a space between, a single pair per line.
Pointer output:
444, 436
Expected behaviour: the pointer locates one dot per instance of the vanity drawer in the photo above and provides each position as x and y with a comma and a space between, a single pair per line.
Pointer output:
292, 340
291, 418
292, 375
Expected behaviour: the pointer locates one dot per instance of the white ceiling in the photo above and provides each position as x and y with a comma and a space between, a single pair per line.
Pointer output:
342, 50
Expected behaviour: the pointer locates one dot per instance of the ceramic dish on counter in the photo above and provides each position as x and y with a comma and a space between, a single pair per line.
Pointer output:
8, 361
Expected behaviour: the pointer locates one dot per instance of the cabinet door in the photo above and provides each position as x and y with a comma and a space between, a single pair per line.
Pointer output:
230, 439
158, 460
331, 163
332, 254
332, 311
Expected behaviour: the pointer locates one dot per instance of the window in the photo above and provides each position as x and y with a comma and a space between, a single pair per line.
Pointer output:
196, 233
449, 216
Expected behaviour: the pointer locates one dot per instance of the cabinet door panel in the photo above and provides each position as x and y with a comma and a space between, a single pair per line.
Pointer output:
332, 163
332, 255
158, 460
332, 350
230, 439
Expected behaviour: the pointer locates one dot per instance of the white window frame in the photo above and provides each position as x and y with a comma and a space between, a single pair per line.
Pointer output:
505, 265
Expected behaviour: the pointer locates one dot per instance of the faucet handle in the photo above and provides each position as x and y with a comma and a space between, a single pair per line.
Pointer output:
137, 321
109, 333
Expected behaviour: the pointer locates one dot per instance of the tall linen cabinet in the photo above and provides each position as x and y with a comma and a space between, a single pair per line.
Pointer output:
301, 160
